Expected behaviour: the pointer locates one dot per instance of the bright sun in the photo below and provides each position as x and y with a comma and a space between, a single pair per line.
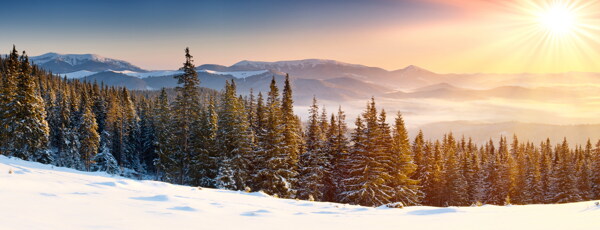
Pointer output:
558, 19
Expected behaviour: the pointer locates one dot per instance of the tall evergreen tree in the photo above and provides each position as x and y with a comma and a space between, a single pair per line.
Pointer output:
278, 171
89, 139
30, 132
185, 112
235, 140
406, 190
166, 161
314, 159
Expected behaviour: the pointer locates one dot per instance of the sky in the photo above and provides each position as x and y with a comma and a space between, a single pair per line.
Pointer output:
445, 36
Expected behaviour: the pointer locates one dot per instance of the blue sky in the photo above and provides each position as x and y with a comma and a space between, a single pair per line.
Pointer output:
139, 30
441, 35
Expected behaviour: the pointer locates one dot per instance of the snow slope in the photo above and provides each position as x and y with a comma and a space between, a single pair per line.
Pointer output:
36, 196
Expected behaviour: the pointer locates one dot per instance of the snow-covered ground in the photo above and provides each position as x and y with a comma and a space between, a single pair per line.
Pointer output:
36, 196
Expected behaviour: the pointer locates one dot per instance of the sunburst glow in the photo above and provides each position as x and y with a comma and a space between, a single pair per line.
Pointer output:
559, 19
551, 35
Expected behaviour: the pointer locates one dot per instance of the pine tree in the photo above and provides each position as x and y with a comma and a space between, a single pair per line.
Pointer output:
418, 151
456, 185
185, 113
205, 162
315, 161
338, 147
89, 140
499, 175
292, 134
105, 161
596, 171
566, 189
584, 171
433, 178
30, 132
166, 161
546, 171
368, 164
406, 190
8, 111
234, 139
277, 173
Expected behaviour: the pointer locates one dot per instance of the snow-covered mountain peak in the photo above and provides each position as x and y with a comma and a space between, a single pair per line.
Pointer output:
281, 65
73, 59
65, 63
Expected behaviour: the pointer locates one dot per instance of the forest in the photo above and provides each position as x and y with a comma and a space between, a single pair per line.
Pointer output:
200, 137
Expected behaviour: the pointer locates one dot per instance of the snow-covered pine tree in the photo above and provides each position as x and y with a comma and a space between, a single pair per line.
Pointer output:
545, 163
87, 129
8, 113
234, 141
456, 186
30, 132
338, 147
433, 177
105, 161
147, 135
596, 171
314, 160
205, 162
566, 189
131, 136
583, 171
292, 133
406, 190
419, 157
277, 171
368, 164
499, 174
162, 122
186, 111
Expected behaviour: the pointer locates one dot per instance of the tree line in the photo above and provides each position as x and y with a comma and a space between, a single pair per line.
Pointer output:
196, 136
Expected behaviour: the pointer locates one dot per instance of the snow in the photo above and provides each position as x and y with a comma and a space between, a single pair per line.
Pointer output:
37, 196
236, 74
72, 59
306, 63
78, 74
159, 73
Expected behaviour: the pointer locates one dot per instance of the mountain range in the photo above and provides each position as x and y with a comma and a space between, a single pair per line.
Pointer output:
424, 97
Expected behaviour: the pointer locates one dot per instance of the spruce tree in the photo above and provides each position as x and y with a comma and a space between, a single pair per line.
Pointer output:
205, 162
456, 185
166, 161
406, 190
89, 139
235, 140
30, 132
8, 113
277, 174
314, 160
338, 147
368, 166
186, 111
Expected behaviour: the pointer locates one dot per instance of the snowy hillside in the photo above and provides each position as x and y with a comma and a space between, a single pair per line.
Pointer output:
36, 196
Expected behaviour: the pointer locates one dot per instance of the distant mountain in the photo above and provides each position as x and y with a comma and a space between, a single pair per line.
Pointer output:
68, 63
